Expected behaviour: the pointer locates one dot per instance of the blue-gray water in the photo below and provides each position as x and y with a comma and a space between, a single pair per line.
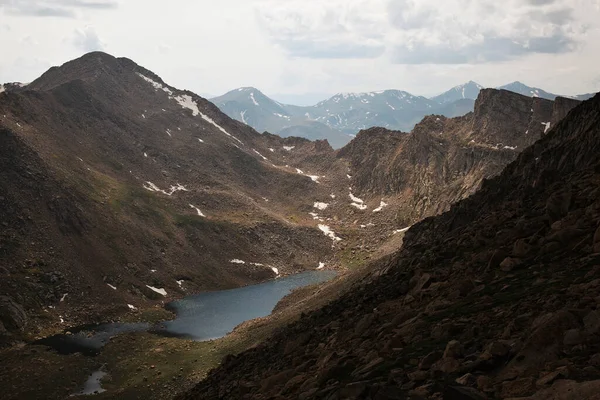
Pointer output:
93, 384
213, 315
199, 317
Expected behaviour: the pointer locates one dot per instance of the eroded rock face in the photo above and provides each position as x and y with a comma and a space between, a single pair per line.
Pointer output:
12, 315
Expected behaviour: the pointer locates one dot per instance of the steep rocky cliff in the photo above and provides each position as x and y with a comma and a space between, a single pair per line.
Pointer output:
496, 298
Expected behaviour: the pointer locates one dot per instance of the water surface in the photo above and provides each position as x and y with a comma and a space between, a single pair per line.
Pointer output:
213, 315
199, 317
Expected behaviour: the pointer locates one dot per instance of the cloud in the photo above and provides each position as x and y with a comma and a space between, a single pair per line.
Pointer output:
87, 40
317, 29
422, 31
53, 8
464, 31
490, 49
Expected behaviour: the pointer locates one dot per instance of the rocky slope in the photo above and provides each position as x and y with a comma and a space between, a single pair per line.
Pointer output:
118, 189
496, 298
443, 159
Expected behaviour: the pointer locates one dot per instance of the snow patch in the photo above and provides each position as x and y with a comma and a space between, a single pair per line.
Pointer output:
153, 188
243, 115
328, 232
63, 297
382, 205
289, 148
355, 199
275, 270
359, 206
547, 126
209, 120
253, 99
349, 177
131, 307
156, 85
320, 206
157, 290
332, 196
236, 261
272, 150
111, 286
510, 148
200, 140
401, 230
169, 133
186, 101
321, 265
145, 154
315, 216
180, 283
263, 157
197, 210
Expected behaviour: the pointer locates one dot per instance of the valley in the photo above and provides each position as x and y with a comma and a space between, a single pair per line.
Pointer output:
122, 194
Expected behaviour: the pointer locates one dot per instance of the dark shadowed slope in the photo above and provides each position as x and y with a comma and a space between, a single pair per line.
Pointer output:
496, 298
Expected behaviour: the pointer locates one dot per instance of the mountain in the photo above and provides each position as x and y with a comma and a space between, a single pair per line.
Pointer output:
469, 90
110, 178
252, 107
119, 192
338, 118
583, 97
351, 112
496, 298
521, 88
444, 160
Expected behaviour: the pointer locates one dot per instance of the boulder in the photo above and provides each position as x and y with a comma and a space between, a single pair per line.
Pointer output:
430, 359
521, 248
12, 314
517, 388
453, 349
591, 322
573, 337
509, 264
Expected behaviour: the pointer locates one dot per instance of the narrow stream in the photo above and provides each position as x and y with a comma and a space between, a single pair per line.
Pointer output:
199, 317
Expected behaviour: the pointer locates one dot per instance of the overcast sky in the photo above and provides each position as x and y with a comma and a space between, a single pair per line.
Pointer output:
315, 47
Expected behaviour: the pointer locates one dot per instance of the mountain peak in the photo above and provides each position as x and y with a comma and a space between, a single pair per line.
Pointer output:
469, 90
521, 88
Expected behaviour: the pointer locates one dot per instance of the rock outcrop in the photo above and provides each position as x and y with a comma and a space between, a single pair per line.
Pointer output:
496, 298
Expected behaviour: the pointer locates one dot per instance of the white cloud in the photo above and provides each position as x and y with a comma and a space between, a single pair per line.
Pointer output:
87, 40
292, 46
332, 29
53, 8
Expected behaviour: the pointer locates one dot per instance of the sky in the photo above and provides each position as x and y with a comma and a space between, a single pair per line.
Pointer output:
306, 50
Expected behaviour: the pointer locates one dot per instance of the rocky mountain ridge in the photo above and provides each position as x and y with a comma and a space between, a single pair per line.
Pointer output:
111, 178
340, 117
495, 299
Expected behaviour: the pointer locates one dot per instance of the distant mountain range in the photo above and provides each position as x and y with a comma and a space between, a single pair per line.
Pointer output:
339, 118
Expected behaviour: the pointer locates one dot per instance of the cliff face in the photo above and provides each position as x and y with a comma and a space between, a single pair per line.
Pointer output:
443, 159
496, 298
